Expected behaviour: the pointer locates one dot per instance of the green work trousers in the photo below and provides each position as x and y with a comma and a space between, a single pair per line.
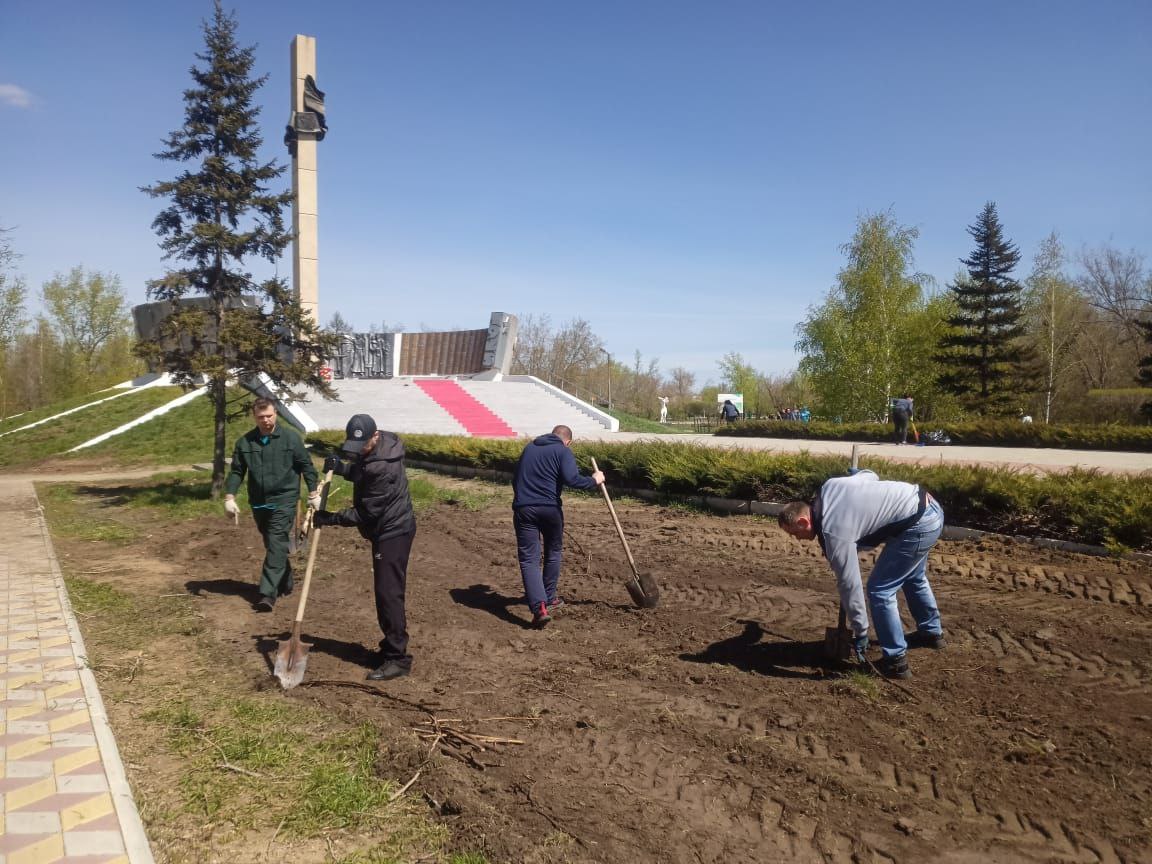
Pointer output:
276, 527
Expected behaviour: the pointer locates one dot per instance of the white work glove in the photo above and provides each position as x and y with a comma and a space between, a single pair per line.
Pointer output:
230, 506
314, 500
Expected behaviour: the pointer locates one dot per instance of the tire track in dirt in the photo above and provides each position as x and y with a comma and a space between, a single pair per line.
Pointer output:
1125, 676
1029, 833
752, 823
1047, 579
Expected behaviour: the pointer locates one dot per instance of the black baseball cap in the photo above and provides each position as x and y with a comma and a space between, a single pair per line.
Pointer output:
359, 429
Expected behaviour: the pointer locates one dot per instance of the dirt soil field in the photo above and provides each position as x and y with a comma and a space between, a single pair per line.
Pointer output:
709, 730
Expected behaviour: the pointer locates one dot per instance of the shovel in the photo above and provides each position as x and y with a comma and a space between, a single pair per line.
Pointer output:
292, 653
643, 590
294, 537
838, 641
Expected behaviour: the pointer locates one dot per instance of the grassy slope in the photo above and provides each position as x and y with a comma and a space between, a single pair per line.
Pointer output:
632, 423
182, 436
15, 421
57, 436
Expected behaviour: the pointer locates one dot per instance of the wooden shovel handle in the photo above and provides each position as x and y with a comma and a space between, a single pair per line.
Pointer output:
311, 563
616, 522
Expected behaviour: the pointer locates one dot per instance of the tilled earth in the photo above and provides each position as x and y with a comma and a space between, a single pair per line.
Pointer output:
709, 730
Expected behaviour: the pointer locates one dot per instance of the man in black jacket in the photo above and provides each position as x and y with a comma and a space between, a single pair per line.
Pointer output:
382, 511
546, 466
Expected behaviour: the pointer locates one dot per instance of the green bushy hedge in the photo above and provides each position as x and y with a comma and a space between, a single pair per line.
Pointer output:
986, 433
1078, 506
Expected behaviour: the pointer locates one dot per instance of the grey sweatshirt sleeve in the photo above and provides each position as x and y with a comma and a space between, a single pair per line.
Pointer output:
845, 561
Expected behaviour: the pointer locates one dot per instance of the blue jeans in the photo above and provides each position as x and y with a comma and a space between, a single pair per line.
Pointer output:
904, 564
533, 525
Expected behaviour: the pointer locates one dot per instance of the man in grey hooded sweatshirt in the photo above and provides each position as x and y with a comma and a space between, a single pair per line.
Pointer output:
861, 512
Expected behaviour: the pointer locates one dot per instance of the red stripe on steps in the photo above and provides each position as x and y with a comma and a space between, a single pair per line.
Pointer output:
469, 412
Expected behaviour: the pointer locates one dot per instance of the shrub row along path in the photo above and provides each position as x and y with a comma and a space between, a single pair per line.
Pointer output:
707, 730
64, 792
1025, 458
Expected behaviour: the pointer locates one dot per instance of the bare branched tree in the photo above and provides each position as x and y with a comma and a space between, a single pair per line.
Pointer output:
1115, 283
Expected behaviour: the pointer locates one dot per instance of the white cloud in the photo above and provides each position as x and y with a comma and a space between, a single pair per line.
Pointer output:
17, 97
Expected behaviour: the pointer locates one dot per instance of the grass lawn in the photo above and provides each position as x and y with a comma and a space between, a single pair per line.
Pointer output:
632, 423
58, 436
229, 767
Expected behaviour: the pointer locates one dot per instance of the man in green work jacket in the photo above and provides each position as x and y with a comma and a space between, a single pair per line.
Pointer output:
274, 459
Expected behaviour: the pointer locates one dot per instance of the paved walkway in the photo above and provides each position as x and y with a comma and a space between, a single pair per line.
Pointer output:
63, 791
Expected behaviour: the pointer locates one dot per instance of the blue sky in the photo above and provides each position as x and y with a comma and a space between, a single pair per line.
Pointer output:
680, 174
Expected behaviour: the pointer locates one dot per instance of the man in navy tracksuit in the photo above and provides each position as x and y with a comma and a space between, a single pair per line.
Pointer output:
546, 466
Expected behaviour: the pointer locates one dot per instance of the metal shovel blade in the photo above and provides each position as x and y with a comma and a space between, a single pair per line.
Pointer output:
838, 644
291, 662
645, 599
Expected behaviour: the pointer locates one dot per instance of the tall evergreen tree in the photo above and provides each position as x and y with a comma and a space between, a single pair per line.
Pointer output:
222, 212
987, 363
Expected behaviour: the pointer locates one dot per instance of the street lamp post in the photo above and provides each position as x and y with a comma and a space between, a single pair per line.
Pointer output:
609, 353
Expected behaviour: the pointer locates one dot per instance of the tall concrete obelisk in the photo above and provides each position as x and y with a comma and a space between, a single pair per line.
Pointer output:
306, 127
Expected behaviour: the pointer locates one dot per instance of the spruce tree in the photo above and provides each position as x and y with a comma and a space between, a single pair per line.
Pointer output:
221, 212
987, 364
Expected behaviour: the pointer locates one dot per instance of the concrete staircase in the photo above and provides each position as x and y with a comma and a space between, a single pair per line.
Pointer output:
396, 404
525, 406
532, 409
468, 411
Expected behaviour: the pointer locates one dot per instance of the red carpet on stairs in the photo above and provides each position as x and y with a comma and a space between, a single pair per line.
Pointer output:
468, 411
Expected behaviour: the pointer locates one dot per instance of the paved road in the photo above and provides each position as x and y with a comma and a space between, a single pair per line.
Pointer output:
1034, 459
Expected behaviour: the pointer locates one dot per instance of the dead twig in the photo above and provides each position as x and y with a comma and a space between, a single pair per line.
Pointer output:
224, 763
275, 834
491, 720
395, 795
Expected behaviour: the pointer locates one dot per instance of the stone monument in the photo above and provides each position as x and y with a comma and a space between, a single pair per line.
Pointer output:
306, 126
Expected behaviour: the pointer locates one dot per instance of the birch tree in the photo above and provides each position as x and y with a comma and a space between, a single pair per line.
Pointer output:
872, 335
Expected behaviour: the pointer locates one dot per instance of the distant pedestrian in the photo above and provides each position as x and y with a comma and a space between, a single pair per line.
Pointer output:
546, 466
273, 458
901, 417
729, 411
382, 511
862, 512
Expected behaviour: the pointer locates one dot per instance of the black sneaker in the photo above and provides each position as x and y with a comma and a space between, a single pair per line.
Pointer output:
540, 617
265, 603
894, 667
920, 639
391, 669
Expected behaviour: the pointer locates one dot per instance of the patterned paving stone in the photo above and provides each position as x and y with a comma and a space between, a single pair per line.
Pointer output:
63, 795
